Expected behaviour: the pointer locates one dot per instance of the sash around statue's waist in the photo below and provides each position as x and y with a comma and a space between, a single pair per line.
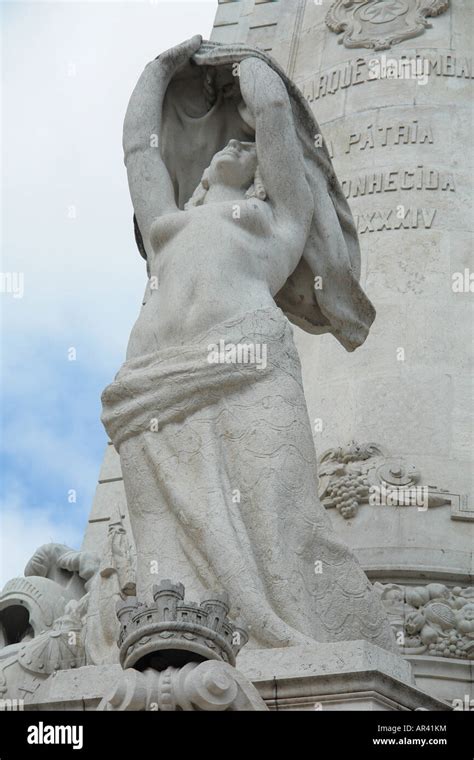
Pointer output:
168, 385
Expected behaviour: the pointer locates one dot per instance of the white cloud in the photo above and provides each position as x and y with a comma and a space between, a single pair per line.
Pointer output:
68, 72
24, 529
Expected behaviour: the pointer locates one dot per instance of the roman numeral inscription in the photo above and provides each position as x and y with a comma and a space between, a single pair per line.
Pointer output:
395, 219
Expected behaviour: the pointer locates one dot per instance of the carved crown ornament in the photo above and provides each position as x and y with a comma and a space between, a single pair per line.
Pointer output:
379, 24
363, 473
173, 631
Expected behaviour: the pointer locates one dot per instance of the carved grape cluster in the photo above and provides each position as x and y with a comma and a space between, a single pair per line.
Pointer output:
448, 646
347, 492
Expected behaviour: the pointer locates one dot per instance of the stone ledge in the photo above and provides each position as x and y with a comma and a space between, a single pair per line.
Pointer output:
444, 677
348, 675
80, 689
351, 675
322, 659
360, 690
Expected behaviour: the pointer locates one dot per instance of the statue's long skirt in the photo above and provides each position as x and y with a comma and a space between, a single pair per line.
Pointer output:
220, 475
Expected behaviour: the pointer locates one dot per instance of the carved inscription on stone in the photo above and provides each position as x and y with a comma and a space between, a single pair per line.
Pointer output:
395, 219
388, 135
417, 178
358, 71
399, 134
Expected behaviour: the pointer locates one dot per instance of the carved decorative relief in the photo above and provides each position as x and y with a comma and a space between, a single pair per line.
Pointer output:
48, 635
343, 482
211, 685
379, 24
358, 474
431, 619
173, 630
61, 615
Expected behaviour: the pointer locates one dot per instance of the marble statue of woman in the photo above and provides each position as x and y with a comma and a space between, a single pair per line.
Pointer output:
237, 210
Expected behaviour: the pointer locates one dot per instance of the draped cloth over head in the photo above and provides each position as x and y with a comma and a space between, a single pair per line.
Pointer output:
332, 251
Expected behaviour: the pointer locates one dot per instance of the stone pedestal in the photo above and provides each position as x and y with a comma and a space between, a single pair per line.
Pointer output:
450, 679
351, 675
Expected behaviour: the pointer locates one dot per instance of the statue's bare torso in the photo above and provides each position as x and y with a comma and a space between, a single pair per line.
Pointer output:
229, 253
209, 264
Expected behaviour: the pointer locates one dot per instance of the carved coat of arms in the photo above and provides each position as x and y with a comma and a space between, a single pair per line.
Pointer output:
379, 24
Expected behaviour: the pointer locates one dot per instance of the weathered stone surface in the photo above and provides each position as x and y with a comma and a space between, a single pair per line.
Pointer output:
42, 618
321, 659
350, 675
431, 619
449, 680
61, 615
380, 25
173, 631
343, 676
80, 689
353, 675
207, 686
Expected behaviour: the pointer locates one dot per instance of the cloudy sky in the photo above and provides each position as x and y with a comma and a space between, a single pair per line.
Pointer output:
68, 69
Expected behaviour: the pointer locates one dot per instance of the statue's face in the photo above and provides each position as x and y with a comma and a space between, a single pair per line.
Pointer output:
235, 165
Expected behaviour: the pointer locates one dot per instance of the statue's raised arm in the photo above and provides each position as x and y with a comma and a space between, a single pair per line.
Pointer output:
150, 184
280, 156
323, 293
